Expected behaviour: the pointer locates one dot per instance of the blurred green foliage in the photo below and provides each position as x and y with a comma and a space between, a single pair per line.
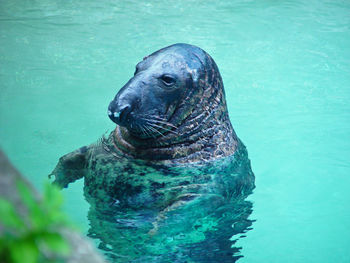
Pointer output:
34, 237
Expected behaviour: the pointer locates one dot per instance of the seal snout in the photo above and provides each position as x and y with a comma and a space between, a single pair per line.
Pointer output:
119, 114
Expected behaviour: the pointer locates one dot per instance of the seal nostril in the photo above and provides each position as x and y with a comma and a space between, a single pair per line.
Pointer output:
123, 113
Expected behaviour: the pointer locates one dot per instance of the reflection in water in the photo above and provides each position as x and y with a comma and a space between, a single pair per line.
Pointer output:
169, 214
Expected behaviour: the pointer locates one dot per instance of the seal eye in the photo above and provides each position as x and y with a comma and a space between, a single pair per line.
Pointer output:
168, 80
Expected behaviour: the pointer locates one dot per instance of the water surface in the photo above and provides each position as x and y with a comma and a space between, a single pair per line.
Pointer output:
285, 67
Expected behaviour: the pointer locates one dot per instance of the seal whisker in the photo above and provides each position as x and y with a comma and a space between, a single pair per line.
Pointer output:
159, 117
159, 121
153, 129
154, 125
149, 132
166, 123
142, 130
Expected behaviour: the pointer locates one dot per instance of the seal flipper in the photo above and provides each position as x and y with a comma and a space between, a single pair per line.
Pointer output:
70, 167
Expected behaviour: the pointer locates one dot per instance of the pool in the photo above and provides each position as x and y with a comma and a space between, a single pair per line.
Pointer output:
285, 67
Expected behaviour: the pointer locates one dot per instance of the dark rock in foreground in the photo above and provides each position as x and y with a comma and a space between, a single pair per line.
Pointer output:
23, 239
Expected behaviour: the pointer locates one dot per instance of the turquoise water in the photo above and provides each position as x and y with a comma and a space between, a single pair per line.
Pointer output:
285, 67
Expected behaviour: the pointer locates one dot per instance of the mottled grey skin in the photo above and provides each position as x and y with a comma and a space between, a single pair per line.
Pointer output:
169, 182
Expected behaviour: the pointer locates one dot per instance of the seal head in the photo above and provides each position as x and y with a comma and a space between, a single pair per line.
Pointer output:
173, 108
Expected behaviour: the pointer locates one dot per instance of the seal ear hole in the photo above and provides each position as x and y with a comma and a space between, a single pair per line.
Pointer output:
168, 80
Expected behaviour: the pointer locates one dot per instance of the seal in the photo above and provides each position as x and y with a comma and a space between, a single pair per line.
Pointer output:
170, 181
